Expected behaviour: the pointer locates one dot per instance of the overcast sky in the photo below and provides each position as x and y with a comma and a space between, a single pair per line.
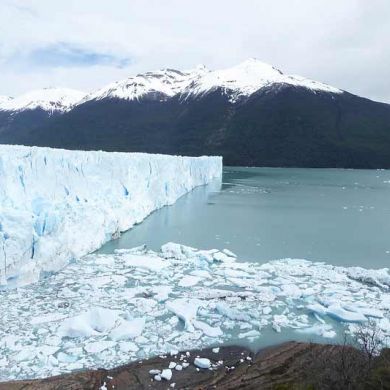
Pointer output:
85, 44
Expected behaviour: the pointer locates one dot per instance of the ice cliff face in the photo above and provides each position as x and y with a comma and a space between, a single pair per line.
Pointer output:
58, 205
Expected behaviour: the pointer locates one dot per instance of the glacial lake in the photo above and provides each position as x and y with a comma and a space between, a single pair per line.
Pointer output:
338, 216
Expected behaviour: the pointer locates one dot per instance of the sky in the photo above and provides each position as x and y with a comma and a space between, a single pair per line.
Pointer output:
90, 43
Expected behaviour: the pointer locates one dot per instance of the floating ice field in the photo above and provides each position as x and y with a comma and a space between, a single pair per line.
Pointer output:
107, 310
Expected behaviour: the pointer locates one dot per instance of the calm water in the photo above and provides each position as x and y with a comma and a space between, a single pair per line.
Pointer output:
333, 215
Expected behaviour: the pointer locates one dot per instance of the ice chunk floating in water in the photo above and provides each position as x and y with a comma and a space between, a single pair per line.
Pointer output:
107, 310
58, 205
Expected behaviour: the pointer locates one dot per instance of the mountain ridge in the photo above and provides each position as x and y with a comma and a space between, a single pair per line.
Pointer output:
251, 114
243, 79
46, 99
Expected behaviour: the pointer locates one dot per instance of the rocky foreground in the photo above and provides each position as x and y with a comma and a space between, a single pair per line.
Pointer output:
290, 365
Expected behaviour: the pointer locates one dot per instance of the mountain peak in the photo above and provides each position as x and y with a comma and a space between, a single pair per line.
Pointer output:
167, 82
250, 76
257, 66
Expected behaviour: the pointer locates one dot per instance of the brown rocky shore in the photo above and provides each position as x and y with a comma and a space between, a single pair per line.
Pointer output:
291, 365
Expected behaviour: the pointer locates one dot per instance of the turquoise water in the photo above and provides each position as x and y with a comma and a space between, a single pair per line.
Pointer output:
338, 216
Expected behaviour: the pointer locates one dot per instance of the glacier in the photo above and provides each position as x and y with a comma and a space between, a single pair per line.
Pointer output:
58, 205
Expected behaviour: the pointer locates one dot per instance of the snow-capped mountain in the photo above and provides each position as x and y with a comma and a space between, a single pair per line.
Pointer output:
249, 77
251, 114
241, 80
47, 99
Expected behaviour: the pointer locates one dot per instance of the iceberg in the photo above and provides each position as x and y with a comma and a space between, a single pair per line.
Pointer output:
59, 205
90, 323
186, 310
352, 314
202, 362
339, 313
166, 374
207, 329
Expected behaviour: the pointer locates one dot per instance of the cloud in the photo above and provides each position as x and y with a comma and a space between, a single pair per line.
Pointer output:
64, 54
89, 43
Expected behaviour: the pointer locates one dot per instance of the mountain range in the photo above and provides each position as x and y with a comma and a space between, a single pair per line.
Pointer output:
252, 114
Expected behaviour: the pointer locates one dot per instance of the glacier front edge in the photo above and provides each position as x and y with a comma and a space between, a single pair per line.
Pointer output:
58, 205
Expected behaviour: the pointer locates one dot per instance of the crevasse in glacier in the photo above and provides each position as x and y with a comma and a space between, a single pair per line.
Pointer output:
57, 205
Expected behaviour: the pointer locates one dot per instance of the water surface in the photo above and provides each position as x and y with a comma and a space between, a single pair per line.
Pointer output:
338, 216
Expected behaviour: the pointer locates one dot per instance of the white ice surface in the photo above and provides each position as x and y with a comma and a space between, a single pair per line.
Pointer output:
166, 374
90, 323
128, 329
202, 362
185, 309
58, 205
103, 311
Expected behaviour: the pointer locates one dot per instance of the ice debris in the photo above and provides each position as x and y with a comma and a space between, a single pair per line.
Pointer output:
110, 309
202, 362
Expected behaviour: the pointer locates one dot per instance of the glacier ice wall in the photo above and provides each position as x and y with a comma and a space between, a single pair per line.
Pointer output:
58, 205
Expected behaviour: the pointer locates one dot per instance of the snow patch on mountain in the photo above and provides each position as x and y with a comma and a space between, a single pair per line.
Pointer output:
4, 99
58, 205
47, 99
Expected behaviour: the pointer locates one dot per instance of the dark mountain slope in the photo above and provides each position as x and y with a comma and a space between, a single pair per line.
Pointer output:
280, 125
296, 127
16, 125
